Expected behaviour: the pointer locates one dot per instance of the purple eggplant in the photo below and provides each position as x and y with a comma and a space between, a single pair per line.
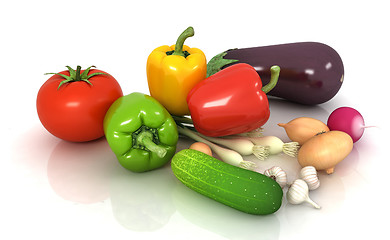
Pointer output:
311, 72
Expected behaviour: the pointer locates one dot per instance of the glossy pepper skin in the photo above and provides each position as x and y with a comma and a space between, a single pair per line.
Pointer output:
231, 101
172, 71
140, 132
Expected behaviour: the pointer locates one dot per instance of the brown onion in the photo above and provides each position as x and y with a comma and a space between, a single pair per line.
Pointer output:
325, 150
303, 128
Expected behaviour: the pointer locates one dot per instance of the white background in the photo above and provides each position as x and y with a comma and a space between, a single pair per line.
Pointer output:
51, 188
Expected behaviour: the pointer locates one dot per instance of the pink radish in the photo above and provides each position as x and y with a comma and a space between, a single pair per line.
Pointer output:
348, 120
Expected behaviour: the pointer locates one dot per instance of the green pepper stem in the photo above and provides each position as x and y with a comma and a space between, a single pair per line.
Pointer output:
145, 138
275, 70
189, 32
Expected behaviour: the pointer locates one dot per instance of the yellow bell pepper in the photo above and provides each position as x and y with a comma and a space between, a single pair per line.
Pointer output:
172, 71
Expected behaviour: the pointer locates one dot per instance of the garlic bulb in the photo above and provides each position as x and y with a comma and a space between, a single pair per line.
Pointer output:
278, 175
299, 193
309, 174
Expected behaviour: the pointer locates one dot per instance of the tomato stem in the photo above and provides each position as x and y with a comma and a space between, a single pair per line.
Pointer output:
78, 73
75, 76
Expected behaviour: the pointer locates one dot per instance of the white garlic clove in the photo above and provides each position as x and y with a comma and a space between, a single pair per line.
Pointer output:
309, 175
308, 170
299, 193
312, 181
278, 175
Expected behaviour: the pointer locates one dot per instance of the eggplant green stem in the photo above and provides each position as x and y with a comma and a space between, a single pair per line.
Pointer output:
217, 63
145, 139
76, 75
275, 70
189, 32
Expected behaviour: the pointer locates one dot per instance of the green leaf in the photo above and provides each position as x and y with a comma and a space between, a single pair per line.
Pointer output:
61, 83
76, 76
62, 75
85, 80
94, 74
217, 63
84, 75
72, 72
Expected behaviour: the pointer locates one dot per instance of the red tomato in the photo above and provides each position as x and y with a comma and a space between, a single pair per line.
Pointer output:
75, 111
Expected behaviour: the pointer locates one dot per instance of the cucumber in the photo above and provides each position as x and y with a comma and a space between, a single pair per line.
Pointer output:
239, 188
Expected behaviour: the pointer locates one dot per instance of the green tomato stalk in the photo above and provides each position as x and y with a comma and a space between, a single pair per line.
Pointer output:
76, 75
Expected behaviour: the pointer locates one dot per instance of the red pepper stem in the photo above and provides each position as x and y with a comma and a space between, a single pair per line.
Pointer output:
189, 32
275, 70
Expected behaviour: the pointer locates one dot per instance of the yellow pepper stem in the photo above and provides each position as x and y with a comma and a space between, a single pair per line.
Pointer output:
189, 32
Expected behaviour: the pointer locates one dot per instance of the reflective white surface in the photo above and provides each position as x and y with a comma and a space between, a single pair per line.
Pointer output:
52, 188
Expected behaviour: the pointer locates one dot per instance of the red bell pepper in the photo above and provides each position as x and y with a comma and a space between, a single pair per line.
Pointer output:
231, 101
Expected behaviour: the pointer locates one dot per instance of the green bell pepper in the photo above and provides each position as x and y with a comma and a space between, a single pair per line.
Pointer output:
141, 132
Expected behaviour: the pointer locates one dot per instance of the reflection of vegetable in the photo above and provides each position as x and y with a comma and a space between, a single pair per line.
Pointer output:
227, 155
348, 120
207, 215
80, 172
299, 193
325, 150
245, 190
173, 71
142, 202
71, 104
140, 132
231, 101
312, 73
303, 128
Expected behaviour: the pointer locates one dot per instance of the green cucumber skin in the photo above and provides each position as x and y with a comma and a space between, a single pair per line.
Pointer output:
242, 189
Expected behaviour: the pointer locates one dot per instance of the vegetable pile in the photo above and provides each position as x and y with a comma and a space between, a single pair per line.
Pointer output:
222, 105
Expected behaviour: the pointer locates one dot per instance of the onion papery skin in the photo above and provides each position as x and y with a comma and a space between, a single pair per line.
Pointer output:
303, 128
325, 150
